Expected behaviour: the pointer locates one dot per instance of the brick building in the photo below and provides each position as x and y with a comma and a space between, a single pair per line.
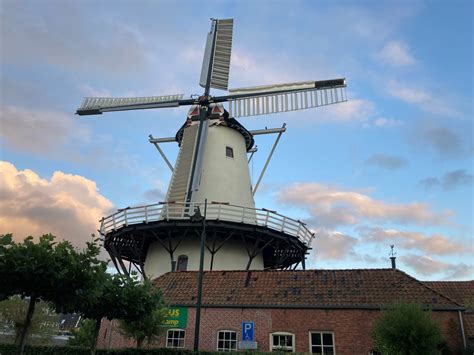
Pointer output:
463, 293
319, 311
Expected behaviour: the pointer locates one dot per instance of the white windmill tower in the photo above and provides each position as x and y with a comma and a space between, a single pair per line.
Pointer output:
212, 169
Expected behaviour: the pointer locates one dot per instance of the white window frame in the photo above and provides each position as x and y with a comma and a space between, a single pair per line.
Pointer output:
167, 337
272, 347
226, 331
322, 342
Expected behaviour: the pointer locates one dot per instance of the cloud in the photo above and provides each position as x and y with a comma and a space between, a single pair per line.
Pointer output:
429, 183
397, 54
352, 110
248, 70
154, 195
335, 207
385, 161
427, 266
68, 206
89, 91
421, 98
456, 178
449, 181
434, 244
386, 122
38, 131
66, 36
443, 140
333, 245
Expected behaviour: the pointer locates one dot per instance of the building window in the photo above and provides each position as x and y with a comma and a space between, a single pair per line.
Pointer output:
182, 263
175, 338
226, 340
229, 151
282, 342
322, 343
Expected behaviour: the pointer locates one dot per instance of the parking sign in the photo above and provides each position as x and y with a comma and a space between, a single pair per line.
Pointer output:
247, 331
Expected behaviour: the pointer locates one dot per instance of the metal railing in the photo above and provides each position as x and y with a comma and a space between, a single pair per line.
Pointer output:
215, 211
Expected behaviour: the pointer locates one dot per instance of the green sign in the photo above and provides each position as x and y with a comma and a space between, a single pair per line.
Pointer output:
177, 318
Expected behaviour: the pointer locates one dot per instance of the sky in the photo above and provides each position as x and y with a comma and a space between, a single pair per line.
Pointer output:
392, 166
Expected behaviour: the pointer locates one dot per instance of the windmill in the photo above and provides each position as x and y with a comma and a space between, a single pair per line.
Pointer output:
212, 166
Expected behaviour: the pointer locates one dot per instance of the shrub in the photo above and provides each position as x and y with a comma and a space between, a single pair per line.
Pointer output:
405, 329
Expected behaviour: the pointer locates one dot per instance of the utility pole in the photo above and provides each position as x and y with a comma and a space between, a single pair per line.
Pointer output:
198, 217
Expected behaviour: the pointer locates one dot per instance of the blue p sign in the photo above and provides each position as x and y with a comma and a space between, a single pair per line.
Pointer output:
247, 331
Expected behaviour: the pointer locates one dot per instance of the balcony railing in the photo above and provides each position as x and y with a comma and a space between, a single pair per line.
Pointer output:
215, 211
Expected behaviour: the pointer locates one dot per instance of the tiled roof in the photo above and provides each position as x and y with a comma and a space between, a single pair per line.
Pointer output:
360, 288
462, 292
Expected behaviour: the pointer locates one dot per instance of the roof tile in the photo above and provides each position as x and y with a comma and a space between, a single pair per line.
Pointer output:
359, 288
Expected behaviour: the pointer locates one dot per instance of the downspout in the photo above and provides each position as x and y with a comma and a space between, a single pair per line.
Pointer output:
462, 329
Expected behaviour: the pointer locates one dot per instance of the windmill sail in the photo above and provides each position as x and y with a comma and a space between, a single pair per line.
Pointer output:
98, 105
263, 100
217, 55
182, 171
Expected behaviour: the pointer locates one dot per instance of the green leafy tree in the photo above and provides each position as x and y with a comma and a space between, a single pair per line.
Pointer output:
147, 327
405, 329
48, 271
119, 297
84, 335
44, 322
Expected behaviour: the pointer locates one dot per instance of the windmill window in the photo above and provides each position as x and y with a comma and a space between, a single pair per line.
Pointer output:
182, 263
322, 343
175, 338
229, 152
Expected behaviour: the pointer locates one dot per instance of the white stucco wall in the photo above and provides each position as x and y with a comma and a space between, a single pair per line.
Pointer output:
232, 256
225, 179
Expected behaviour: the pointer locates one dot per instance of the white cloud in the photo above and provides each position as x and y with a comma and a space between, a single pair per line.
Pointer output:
434, 244
333, 245
386, 122
421, 98
68, 206
88, 90
247, 70
396, 54
334, 207
352, 110
39, 131
59, 38
427, 266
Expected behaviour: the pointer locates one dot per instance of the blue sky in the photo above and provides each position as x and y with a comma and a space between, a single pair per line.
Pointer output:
394, 165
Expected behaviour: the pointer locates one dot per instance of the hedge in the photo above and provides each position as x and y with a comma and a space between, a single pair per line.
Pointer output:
9, 349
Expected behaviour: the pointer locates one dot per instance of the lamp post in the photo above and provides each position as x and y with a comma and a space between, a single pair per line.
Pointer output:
195, 218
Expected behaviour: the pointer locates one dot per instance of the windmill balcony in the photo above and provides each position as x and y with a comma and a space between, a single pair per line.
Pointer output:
216, 211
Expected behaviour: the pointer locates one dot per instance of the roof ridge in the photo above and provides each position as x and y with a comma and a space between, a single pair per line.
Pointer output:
276, 271
451, 281
430, 288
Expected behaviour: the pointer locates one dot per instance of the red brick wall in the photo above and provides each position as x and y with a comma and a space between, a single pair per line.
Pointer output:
352, 328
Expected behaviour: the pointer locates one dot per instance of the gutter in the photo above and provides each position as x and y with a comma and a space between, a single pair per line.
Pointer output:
462, 329
280, 306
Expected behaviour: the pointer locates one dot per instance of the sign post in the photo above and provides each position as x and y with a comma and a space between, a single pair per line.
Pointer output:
248, 334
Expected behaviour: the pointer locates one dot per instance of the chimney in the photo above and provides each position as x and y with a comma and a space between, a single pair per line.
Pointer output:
393, 257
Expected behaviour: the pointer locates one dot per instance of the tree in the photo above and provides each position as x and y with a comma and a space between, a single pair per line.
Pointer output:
84, 335
44, 322
145, 328
48, 271
405, 329
119, 297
